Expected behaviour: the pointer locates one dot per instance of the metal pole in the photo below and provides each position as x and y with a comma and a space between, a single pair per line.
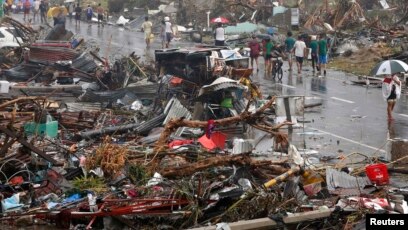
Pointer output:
208, 19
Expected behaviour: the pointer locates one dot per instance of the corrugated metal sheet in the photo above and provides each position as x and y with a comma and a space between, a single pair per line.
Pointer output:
336, 179
85, 63
52, 54
239, 105
140, 128
143, 89
174, 109
232, 130
102, 96
78, 107
150, 124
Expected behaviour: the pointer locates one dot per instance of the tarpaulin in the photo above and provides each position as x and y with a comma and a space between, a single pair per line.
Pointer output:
217, 140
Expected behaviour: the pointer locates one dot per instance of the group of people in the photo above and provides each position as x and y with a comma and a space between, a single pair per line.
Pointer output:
293, 49
298, 48
38, 7
41, 7
71, 8
166, 32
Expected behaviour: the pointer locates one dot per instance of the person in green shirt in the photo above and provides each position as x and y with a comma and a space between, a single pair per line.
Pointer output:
322, 51
268, 55
313, 46
289, 44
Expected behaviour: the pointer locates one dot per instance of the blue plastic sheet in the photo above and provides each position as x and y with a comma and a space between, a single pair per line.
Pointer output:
72, 198
11, 202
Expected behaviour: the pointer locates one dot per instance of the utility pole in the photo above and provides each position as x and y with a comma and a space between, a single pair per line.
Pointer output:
208, 19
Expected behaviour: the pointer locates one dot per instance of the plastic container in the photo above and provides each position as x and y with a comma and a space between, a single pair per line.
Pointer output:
50, 128
4, 86
378, 174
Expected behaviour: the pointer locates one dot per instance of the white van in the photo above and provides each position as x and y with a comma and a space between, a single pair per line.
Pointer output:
9, 38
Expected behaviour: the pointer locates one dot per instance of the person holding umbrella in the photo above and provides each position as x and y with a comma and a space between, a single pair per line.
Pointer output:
391, 85
391, 88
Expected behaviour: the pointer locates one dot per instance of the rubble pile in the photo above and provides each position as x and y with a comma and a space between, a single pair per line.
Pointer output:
90, 142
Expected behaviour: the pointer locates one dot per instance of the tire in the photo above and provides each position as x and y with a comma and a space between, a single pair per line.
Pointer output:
280, 73
273, 72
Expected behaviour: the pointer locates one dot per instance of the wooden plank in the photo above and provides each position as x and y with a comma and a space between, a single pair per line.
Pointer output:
304, 216
266, 223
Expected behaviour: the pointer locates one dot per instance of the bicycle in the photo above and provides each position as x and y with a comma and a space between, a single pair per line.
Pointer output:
277, 68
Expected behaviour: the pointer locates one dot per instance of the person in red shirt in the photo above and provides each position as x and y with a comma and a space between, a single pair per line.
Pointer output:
255, 51
27, 6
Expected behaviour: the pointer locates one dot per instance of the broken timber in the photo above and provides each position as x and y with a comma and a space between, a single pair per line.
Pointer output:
267, 223
245, 116
22, 141
242, 159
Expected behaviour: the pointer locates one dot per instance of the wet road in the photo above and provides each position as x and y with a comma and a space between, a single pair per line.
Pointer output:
352, 119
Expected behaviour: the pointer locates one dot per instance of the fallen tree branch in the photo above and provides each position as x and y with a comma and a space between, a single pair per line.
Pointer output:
5, 104
242, 159
174, 124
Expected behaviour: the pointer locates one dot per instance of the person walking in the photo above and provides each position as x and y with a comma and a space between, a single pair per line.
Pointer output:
168, 30
43, 12
391, 89
314, 55
289, 43
36, 12
9, 6
147, 29
89, 14
163, 33
255, 50
100, 12
78, 12
71, 7
300, 50
219, 35
268, 54
61, 19
27, 6
322, 51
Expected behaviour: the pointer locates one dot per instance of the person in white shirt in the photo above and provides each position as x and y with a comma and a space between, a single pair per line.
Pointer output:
36, 8
300, 50
219, 35
169, 31
391, 89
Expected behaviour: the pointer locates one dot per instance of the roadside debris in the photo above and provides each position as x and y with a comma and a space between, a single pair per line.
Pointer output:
85, 139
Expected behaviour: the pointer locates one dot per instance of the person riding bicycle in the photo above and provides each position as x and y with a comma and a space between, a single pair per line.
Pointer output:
277, 52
